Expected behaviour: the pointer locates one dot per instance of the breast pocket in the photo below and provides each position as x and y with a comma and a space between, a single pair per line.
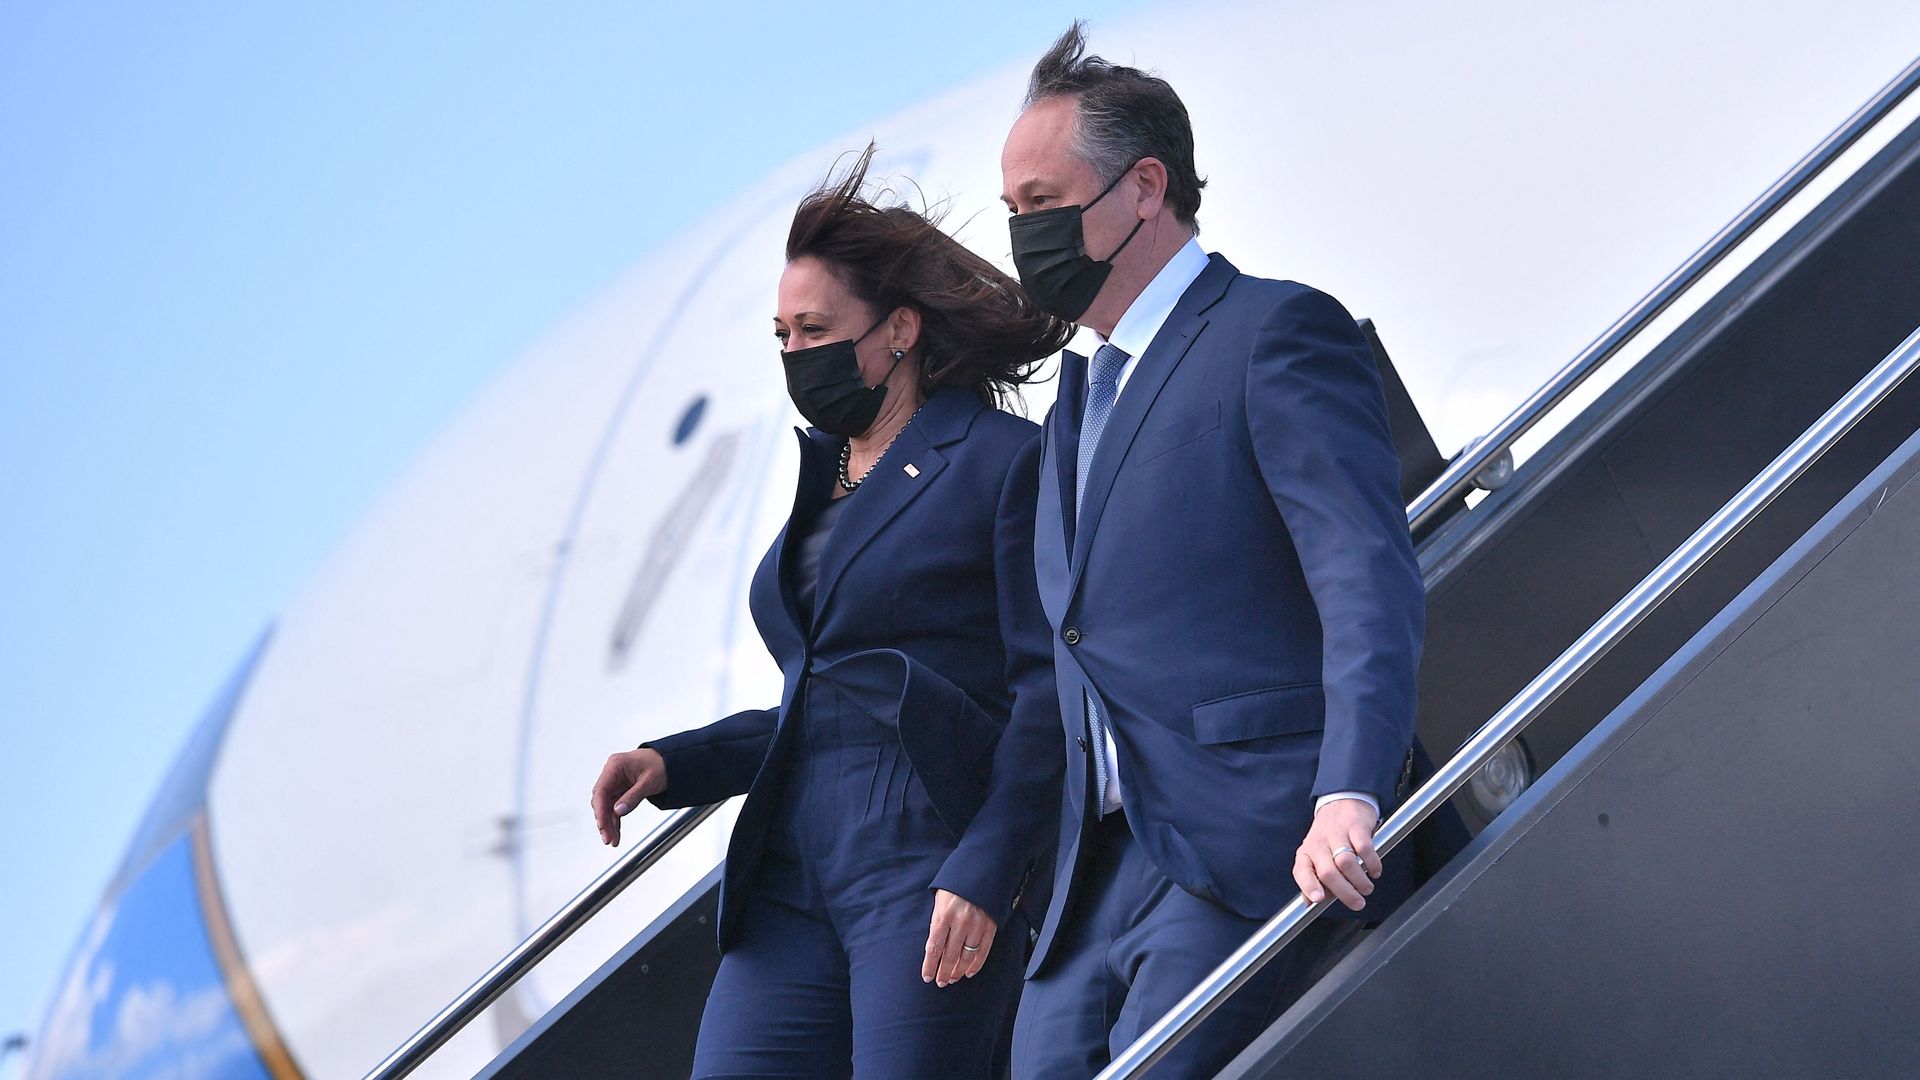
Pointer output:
1258, 714
1184, 431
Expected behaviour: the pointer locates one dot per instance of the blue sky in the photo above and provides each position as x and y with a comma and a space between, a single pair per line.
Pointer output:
253, 256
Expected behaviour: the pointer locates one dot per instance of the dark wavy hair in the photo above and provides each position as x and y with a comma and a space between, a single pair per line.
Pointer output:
977, 327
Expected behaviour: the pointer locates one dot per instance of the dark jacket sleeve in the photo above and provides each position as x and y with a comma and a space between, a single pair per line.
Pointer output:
1318, 422
1019, 820
715, 762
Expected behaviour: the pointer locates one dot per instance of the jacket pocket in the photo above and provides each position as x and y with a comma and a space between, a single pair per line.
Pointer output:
1179, 433
1255, 714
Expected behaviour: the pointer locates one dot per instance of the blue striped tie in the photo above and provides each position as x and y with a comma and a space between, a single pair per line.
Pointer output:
1108, 362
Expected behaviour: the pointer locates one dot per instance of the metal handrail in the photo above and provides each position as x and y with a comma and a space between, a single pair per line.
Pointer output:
498, 979
1461, 472
1530, 702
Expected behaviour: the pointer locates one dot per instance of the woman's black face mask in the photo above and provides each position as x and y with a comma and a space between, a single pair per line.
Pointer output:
825, 384
1049, 252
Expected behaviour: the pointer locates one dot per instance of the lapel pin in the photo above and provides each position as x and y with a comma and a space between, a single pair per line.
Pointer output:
911, 470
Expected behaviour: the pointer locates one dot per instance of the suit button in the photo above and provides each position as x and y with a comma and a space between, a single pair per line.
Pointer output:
1082, 740
1071, 635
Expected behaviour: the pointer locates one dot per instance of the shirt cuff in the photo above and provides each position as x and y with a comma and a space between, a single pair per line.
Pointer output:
1336, 795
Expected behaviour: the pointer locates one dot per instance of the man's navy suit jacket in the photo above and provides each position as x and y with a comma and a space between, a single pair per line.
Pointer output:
926, 615
1239, 590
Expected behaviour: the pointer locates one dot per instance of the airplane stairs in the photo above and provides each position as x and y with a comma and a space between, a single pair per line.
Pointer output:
1718, 880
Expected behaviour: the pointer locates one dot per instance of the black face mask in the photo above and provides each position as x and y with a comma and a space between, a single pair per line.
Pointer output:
825, 384
1050, 254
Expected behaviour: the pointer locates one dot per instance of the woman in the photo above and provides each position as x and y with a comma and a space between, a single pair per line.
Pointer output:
867, 921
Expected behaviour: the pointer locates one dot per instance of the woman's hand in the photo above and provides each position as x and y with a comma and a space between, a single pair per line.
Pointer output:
624, 781
958, 942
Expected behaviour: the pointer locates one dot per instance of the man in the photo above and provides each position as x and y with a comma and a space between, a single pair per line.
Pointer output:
1224, 559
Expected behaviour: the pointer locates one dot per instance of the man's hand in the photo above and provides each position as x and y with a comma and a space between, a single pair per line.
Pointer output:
624, 781
1337, 856
958, 941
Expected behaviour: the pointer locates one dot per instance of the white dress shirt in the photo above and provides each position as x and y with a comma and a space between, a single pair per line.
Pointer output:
1133, 335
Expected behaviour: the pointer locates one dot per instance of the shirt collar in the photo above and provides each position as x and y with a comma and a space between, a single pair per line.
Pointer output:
1150, 310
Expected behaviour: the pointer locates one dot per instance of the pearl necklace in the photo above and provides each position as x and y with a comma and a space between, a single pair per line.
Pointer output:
846, 456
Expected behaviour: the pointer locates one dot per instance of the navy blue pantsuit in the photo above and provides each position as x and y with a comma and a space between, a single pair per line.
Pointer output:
1136, 945
826, 970
883, 773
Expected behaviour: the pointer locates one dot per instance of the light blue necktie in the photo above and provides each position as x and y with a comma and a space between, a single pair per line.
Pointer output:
1108, 362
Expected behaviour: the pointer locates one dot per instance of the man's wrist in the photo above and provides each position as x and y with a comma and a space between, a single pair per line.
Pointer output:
1336, 796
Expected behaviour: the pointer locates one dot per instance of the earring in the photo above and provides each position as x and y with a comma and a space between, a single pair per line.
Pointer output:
899, 355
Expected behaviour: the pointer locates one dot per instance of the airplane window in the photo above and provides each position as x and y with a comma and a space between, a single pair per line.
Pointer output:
690, 420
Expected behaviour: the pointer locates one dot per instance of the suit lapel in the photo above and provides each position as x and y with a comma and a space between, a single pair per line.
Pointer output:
890, 487
1069, 404
1150, 374
1053, 508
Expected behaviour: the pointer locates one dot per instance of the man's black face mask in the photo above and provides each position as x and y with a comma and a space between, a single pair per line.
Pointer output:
825, 384
1049, 252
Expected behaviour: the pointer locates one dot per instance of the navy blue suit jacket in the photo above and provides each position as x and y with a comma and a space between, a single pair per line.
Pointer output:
1239, 591
926, 614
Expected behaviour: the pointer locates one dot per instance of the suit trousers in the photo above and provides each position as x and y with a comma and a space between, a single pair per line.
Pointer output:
824, 979
1133, 945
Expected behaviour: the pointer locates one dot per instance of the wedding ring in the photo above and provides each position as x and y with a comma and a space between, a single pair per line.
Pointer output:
1345, 850
969, 948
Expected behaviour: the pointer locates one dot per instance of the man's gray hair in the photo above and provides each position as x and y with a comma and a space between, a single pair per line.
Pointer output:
1122, 115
